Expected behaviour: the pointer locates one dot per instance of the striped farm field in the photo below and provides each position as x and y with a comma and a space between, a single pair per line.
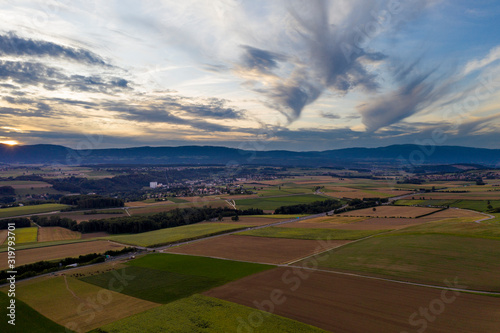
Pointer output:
63, 300
256, 249
49, 234
163, 278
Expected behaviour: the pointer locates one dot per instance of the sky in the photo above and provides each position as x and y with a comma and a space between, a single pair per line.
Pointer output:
250, 74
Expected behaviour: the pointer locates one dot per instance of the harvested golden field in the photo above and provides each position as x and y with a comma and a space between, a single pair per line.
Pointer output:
59, 252
47, 234
77, 305
455, 212
392, 211
256, 249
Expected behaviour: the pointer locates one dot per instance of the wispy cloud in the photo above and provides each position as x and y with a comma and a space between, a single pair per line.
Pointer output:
477, 64
13, 45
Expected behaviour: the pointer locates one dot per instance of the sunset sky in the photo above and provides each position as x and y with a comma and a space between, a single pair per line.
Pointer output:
297, 75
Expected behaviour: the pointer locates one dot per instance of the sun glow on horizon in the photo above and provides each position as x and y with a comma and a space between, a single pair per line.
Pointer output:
10, 142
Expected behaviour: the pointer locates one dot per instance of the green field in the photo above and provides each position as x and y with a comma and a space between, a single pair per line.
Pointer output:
421, 258
456, 227
306, 233
155, 285
26, 210
27, 319
173, 235
176, 200
285, 190
478, 205
275, 202
163, 278
26, 235
202, 314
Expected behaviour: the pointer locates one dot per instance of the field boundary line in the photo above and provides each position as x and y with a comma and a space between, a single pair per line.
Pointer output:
398, 281
354, 241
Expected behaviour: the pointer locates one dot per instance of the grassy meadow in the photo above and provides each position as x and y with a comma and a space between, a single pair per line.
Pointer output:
173, 235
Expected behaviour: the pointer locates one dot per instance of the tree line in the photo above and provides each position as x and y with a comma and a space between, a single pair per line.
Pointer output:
310, 208
137, 224
20, 222
91, 201
43, 267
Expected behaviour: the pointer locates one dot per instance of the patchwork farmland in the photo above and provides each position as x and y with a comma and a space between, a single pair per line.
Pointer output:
341, 271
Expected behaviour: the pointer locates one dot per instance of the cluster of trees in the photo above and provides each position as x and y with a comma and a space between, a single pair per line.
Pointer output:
137, 224
311, 208
7, 195
354, 204
55, 221
21, 222
43, 267
117, 184
7, 190
91, 201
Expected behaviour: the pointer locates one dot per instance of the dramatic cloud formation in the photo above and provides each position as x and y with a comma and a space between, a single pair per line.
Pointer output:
16, 46
295, 74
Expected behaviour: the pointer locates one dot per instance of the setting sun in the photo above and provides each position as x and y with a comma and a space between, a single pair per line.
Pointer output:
10, 142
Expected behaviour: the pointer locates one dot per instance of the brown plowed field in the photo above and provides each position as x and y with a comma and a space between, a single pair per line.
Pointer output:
341, 303
256, 249
47, 234
392, 211
95, 234
58, 252
3, 236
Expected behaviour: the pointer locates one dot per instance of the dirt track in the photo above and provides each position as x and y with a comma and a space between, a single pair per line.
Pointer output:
256, 249
342, 303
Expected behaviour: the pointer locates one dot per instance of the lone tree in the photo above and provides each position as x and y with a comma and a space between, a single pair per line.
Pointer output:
374, 209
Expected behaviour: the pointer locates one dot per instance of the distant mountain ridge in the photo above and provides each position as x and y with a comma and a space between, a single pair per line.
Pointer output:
211, 155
